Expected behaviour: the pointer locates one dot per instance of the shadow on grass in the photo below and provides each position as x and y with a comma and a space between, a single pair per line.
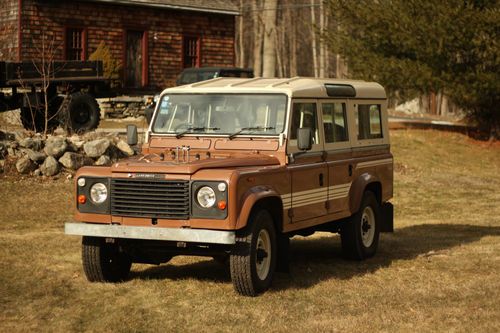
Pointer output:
316, 259
205, 270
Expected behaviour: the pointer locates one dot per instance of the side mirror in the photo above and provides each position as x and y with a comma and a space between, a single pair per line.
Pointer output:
304, 138
132, 135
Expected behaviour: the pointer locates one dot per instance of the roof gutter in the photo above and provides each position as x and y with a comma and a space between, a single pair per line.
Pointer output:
167, 6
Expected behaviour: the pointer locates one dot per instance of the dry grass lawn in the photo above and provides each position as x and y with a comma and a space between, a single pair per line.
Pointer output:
438, 272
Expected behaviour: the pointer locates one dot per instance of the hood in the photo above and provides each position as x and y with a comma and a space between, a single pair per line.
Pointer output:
153, 164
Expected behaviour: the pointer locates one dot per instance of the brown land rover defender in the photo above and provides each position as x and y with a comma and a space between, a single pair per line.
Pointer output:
232, 168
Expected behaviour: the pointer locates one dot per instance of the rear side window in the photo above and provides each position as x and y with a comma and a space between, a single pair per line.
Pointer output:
304, 115
369, 121
334, 122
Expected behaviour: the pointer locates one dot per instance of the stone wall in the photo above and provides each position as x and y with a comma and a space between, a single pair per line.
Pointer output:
164, 29
8, 30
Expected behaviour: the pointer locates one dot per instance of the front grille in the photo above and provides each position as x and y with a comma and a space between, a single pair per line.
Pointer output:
167, 199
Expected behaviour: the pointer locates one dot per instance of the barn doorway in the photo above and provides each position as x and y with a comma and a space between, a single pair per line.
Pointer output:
135, 59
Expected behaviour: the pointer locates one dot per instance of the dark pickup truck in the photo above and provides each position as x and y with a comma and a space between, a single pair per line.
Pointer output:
68, 88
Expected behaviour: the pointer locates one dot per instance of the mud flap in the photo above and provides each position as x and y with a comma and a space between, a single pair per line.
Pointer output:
387, 224
283, 262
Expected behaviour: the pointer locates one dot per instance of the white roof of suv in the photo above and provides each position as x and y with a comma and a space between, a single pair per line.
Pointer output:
297, 87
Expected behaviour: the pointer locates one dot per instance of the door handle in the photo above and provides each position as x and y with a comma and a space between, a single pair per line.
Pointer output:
350, 170
320, 179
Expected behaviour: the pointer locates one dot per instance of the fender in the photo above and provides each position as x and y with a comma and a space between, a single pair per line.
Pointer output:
358, 188
249, 199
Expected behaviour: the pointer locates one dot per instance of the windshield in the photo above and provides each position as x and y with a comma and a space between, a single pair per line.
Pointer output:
225, 114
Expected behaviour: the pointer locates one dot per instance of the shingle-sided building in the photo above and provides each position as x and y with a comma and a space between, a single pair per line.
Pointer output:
153, 39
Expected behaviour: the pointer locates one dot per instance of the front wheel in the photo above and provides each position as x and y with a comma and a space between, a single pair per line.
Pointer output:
84, 113
103, 261
360, 234
253, 258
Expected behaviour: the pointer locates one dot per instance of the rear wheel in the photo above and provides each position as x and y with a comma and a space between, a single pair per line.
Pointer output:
360, 234
253, 258
104, 262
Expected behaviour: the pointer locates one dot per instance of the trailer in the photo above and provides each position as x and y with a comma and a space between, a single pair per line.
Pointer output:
57, 93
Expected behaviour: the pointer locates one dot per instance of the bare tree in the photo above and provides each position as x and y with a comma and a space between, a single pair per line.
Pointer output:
46, 70
313, 39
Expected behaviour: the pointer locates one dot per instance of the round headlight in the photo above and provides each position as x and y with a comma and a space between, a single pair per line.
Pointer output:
206, 197
98, 193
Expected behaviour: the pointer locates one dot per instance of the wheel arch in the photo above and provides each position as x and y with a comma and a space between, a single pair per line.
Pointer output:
261, 197
365, 182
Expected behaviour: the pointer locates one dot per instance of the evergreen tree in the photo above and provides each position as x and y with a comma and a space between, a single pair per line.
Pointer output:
419, 46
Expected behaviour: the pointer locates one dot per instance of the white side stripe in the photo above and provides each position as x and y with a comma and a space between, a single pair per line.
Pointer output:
374, 163
309, 197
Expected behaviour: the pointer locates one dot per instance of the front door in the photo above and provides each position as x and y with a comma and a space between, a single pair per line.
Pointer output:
309, 172
134, 59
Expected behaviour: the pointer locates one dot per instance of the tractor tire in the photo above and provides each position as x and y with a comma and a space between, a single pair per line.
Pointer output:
33, 119
83, 113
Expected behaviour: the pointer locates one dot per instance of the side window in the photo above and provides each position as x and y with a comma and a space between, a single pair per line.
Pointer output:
334, 122
305, 115
369, 121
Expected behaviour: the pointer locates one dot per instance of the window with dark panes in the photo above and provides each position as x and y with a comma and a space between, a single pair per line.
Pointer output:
304, 115
334, 122
191, 52
369, 121
75, 44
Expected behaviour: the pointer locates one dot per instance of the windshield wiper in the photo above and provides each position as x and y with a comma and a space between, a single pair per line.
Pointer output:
194, 129
258, 128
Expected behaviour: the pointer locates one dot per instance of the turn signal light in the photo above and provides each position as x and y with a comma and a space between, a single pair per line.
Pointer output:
82, 199
222, 205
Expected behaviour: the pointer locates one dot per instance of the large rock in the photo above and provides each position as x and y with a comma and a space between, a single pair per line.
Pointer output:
25, 165
103, 161
50, 166
125, 148
72, 161
19, 135
36, 156
55, 146
76, 141
96, 148
30, 143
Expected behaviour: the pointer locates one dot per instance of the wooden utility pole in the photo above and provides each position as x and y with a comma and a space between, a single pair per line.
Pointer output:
257, 38
269, 62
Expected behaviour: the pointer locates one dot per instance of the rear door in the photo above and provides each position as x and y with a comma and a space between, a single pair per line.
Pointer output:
338, 153
308, 170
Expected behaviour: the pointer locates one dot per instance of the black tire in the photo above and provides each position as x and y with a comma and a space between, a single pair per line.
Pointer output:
104, 262
33, 119
84, 113
252, 269
360, 234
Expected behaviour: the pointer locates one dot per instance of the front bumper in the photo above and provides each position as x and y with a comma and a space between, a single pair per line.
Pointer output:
151, 233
